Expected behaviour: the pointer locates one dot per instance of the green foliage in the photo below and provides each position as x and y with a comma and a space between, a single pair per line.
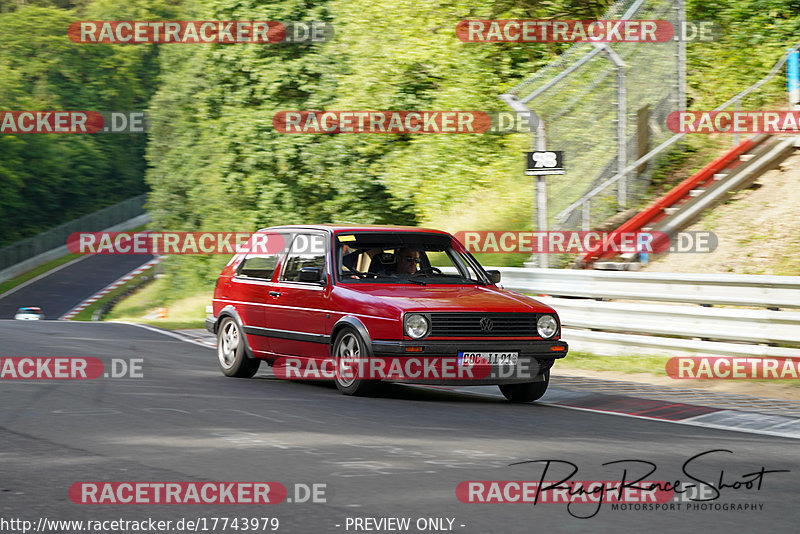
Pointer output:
217, 163
48, 179
213, 160
755, 33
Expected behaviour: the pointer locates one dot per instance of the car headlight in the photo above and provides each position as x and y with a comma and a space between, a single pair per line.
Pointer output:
547, 326
417, 326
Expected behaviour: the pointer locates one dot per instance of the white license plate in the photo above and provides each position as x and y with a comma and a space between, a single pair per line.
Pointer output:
485, 358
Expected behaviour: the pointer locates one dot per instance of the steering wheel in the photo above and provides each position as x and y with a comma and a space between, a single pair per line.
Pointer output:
429, 270
360, 273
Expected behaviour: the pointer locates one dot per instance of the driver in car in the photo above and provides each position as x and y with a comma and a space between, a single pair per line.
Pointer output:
407, 261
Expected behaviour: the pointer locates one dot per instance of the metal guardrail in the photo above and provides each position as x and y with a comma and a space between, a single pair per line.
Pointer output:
616, 344
761, 291
671, 327
56, 237
726, 324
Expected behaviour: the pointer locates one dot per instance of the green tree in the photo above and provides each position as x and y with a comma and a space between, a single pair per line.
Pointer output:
48, 179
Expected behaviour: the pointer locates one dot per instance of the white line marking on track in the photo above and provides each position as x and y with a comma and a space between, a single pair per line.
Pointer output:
166, 333
692, 421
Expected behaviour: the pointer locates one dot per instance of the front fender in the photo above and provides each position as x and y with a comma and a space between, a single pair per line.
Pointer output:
356, 325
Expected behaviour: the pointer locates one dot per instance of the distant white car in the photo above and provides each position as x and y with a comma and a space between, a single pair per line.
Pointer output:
29, 314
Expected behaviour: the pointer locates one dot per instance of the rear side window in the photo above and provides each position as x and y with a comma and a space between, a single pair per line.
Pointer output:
259, 266
308, 250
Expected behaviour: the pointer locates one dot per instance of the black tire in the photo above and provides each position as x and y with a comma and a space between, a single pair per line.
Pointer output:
231, 354
349, 344
527, 392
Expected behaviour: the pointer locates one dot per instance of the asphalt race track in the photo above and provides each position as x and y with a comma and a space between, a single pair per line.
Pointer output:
401, 454
64, 288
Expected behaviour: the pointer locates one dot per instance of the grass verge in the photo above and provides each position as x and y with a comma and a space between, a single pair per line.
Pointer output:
142, 305
646, 364
87, 313
625, 364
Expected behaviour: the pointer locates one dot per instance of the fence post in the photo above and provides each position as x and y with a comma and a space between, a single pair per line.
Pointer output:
622, 136
622, 123
538, 142
541, 194
586, 224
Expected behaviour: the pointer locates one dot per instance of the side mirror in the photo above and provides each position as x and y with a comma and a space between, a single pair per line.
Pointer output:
494, 276
310, 274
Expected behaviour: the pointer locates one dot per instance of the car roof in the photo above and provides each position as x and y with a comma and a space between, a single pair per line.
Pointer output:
337, 228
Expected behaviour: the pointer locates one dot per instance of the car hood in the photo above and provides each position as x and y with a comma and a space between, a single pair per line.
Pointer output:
453, 298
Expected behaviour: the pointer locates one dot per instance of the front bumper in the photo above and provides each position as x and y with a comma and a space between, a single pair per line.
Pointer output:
535, 358
211, 324
435, 347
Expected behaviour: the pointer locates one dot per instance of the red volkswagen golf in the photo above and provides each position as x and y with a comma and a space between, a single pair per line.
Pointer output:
362, 305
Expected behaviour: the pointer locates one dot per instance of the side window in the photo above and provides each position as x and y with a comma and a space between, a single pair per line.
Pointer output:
308, 250
259, 266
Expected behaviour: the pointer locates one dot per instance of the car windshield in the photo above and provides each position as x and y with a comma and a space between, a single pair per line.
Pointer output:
403, 258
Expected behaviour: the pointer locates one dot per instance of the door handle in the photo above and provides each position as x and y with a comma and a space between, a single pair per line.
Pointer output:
274, 293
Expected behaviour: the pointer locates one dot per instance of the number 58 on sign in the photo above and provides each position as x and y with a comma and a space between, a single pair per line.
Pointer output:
544, 162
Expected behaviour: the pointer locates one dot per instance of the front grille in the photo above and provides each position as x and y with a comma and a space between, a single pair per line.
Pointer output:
480, 324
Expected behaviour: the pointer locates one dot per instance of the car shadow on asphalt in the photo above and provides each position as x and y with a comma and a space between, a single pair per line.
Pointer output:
400, 391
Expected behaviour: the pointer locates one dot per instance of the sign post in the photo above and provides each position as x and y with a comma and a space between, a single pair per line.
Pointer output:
544, 162
541, 163
539, 144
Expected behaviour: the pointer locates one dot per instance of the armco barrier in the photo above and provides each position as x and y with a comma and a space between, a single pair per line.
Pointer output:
763, 291
665, 318
616, 344
57, 237
724, 324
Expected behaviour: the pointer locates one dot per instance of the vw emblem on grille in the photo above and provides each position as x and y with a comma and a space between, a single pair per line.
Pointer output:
486, 324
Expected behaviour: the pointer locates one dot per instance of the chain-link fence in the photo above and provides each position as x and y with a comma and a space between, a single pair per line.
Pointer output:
56, 237
580, 98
